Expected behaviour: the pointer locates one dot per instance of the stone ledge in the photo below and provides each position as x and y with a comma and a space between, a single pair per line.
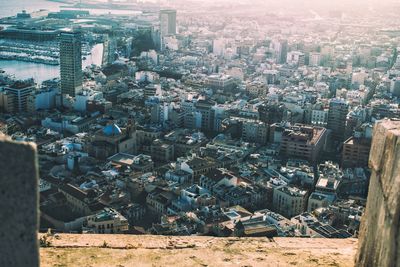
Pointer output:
130, 250
18, 203
379, 230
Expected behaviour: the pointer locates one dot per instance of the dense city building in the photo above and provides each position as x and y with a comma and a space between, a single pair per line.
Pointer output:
356, 152
201, 117
289, 201
17, 94
304, 142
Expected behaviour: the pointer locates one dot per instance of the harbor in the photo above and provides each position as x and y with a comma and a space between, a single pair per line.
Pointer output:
29, 46
22, 69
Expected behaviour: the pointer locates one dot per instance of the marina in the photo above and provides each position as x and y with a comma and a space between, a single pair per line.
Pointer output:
29, 53
42, 72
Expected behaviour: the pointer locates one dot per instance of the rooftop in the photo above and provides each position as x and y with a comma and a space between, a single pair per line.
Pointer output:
309, 134
106, 215
128, 160
293, 191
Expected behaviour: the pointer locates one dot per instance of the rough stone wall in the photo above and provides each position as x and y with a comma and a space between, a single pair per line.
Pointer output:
18, 204
379, 239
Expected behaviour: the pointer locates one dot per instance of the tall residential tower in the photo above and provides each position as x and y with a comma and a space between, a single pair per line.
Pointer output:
167, 22
71, 62
167, 25
338, 109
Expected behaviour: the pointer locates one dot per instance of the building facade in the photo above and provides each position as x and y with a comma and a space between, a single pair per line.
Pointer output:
356, 152
304, 142
338, 109
289, 201
71, 62
18, 94
167, 25
108, 221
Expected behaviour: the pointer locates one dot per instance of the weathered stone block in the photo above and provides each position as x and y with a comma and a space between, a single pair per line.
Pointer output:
18, 204
380, 228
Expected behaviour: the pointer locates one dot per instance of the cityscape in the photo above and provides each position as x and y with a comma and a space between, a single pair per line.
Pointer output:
200, 118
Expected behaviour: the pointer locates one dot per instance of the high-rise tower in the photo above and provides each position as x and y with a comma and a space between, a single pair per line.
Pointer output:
338, 109
167, 25
71, 62
167, 22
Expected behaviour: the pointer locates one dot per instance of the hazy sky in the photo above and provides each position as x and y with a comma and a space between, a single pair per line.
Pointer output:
309, 3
